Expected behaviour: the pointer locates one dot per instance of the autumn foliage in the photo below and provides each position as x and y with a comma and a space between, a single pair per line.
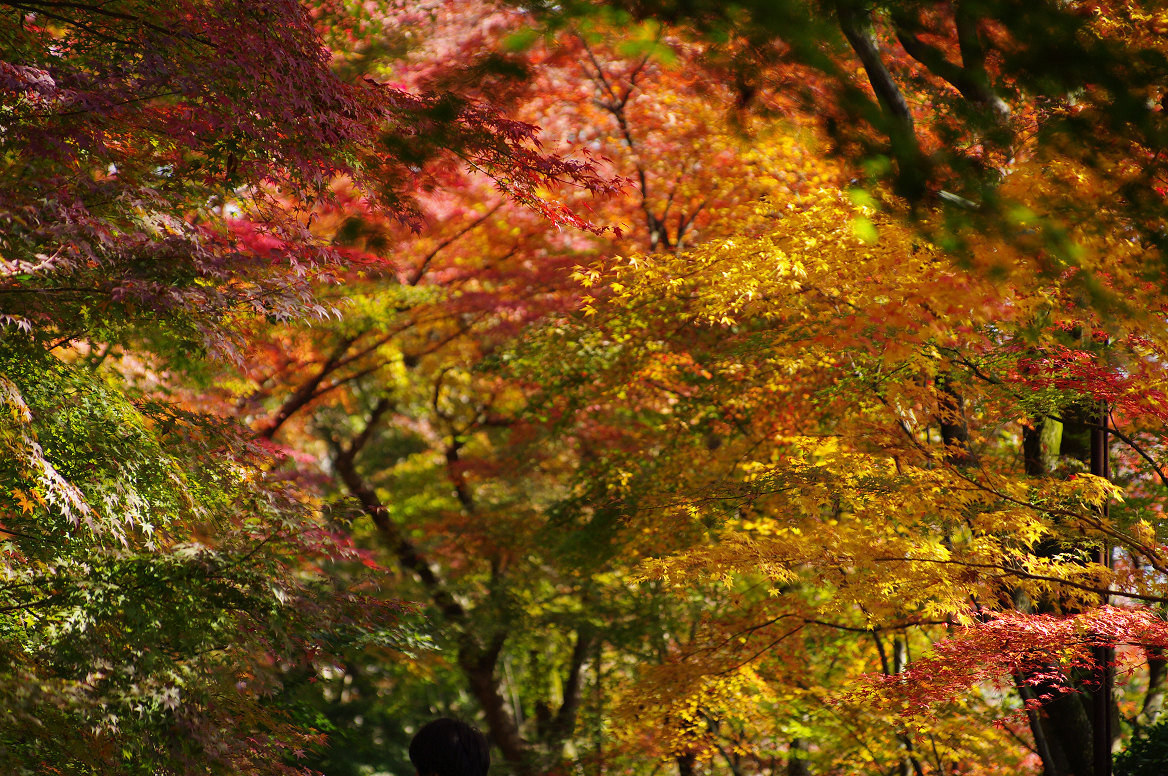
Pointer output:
775, 388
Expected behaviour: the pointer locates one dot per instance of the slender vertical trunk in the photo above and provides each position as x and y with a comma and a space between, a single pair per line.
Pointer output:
1041, 740
953, 423
909, 763
1154, 697
477, 658
1072, 731
796, 763
1067, 726
1104, 654
478, 666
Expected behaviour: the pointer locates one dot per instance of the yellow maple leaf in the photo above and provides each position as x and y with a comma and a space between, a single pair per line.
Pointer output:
22, 499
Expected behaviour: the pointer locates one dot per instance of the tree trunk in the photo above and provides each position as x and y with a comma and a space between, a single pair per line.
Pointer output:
478, 665
1065, 728
477, 660
796, 764
953, 423
1154, 698
1041, 741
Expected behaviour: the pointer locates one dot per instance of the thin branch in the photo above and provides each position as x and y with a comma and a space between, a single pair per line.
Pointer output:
969, 84
89, 28
259, 546
742, 632
1009, 572
416, 277
615, 106
762, 651
307, 390
31, 605
876, 628
9, 532
344, 461
1095, 521
99, 10
1111, 428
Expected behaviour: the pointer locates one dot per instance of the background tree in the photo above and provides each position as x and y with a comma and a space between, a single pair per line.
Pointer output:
946, 101
665, 509
166, 583
796, 422
456, 452
1015, 184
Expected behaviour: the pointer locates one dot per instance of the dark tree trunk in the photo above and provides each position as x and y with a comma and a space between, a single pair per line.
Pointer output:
476, 658
478, 665
796, 764
1102, 702
1041, 443
1067, 728
1154, 698
954, 425
1072, 730
1042, 742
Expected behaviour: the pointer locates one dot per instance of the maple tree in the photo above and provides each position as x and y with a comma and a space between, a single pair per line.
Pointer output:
678, 506
1031, 194
822, 396
944, 100
166, 588
429, 445
469, 432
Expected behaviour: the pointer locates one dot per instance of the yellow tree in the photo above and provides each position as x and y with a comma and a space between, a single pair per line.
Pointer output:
1021, 153
462, 483
858, 408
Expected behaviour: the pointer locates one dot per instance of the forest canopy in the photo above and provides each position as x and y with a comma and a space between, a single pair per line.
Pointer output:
754, 389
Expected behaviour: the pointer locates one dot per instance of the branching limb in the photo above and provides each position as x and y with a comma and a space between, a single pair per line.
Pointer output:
1020, 574
972, 84
856, 24
344, 459
307, 390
